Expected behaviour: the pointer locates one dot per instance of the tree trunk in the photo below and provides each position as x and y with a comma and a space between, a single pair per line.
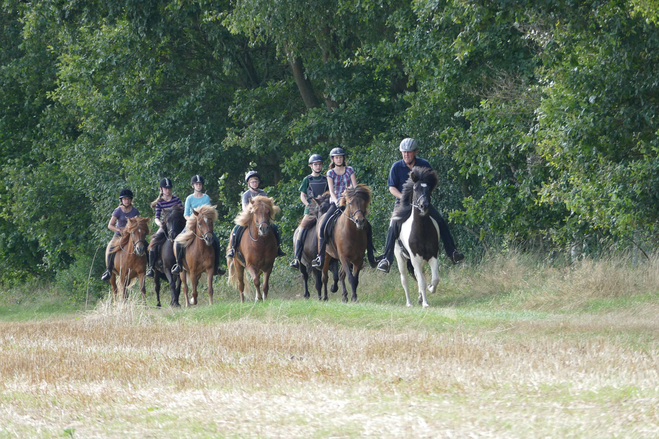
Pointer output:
303, 84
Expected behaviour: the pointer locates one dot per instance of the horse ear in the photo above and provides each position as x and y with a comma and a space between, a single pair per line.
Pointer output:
194, 211
414, 177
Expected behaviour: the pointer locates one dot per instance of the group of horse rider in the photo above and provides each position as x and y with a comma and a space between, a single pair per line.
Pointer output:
338, 178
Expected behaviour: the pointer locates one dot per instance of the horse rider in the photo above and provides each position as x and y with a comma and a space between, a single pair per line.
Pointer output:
252, 180
194, 200
117, 222
165, 200
312, 186
340, 176
397, 177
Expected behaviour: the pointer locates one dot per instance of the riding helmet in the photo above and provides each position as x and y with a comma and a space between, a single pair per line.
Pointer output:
315, 158
251, 174
125, 193
166, 183
408, 144
197, 179
337, 151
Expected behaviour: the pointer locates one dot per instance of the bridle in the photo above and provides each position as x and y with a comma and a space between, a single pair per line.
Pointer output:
132, 240
204, 235
258, 225
351, 217
417, 203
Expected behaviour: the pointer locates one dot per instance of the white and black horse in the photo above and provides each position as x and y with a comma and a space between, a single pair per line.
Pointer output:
418, 242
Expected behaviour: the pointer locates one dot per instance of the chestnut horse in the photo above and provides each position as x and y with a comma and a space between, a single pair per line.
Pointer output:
349, 239
199, 254
257, 248
317, 207
173, 222
130, 257
418, 242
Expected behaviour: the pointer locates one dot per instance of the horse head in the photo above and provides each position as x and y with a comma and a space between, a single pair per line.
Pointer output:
136, 230
205, 217
421, 182
263, 212
356, 201
173, 221
319, 205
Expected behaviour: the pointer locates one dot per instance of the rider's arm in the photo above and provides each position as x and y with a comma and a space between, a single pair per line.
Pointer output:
353, 180
330, 183
111, 224
395, 192
303, 198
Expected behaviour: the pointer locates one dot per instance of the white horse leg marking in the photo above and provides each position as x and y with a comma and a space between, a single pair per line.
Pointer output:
402, 269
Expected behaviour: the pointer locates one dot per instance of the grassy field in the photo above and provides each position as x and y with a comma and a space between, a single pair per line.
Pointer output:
513, 347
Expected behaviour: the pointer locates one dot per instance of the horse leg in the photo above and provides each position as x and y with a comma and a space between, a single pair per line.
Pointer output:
195, 281
318, 277
184, 285
240, 274
417, 262
342, 278
256, 279
305, 278
402, 266
174, 288
353, 278
156, 281
334, 266
142, 279
266, 284
434, 269
113, 285
209, 278
324, 278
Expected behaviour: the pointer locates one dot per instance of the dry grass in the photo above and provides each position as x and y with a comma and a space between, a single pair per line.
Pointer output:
512, 348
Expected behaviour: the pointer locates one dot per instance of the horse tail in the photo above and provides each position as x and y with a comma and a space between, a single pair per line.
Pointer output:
231, 269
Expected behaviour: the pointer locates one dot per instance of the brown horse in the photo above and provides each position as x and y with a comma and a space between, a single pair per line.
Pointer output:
317, 207
129, 257
349, 239
257, 248
199, 254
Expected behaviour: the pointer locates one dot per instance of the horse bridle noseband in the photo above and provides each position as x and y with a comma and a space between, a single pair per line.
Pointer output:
416, 205
351, 217
203, 235
258, 224
132, 240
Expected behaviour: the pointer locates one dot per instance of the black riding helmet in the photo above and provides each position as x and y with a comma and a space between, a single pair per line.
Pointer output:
337, 151
251, 174
197, 179
125, 193
315, 158
166, 183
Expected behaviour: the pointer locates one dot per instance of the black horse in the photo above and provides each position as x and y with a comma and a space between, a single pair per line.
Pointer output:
317, 207
173, 222
418, 242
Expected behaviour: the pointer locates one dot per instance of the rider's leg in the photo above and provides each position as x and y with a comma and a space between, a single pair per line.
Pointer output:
275, 230
320, 258
299, 247
216, 248
109, 258
235, 235
153, 257
388, 256
445, 235
179, 249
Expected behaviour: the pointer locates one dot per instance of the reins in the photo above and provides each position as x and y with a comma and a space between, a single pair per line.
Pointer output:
134, 244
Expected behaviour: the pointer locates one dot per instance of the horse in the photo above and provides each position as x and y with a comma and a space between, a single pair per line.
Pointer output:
419, 237
129, 257
199, 254
317, 207
349, 239
257, 248
173, 222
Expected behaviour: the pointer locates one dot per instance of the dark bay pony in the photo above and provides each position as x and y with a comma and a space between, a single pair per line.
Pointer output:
317, 207
199, 255
419, 237
130, 257
257, 248
349, 238
173, 222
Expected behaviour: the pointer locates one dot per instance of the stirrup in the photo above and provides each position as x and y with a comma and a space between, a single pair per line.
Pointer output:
295, 264
176, 269
316, 263
384, 265
231, 253
106, 275
150, 272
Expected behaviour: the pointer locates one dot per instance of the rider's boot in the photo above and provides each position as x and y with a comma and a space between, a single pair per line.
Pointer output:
153, 254
320, 259
176, 269
108, 273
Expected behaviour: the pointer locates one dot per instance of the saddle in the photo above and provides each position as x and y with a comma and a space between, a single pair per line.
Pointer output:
331, 222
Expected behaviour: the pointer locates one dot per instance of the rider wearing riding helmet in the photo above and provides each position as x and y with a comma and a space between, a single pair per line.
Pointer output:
117, 222
194, 200
252, 180
165, 200
339, 177
312, 186
398, 175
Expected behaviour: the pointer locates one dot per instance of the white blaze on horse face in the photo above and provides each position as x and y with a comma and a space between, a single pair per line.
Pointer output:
424, 185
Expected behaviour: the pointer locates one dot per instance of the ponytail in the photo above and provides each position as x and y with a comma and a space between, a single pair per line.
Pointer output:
157, 200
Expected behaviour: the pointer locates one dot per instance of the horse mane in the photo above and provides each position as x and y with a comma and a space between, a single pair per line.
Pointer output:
244, 218
188, 236
319, 205
360, 191
418, 173
132, 225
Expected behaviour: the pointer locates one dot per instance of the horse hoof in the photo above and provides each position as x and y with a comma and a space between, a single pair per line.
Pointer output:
192, 301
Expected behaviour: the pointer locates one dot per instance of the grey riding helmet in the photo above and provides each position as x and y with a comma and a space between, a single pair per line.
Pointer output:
337, 151
315, 158
251, 174
408, 144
